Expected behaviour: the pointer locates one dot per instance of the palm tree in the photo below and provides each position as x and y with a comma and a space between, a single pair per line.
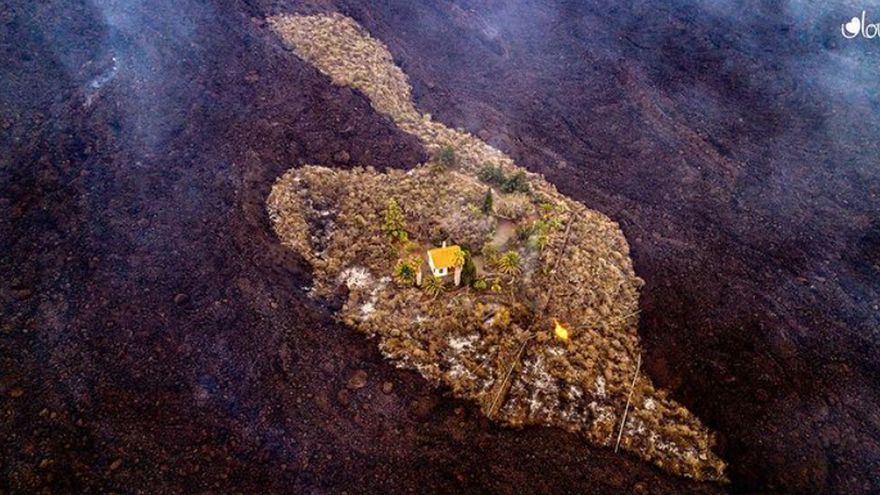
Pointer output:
458, 260
417, 264
510, 263
433, 285
405, 273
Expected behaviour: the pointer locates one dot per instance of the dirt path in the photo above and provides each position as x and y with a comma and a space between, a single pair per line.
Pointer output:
147, 344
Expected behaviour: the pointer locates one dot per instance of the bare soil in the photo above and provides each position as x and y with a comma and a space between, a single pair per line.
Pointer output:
155, 336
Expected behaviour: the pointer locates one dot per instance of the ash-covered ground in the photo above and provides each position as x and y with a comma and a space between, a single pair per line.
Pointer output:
155, 335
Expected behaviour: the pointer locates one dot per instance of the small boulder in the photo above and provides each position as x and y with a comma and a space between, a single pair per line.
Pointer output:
357, 380
22, 294
341, 157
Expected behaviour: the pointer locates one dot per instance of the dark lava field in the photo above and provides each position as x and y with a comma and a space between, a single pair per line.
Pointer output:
155, 336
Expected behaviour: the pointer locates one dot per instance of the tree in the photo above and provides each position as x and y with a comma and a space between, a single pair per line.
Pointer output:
510, 263
395, 221
487, 202
469, 271
458, 258
458, 261
417, 264
439, 234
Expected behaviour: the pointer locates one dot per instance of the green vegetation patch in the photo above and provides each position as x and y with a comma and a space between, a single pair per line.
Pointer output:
490, 338
530, 257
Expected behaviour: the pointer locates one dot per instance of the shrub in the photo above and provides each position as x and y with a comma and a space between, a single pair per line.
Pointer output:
513, 207
524, 231
438, 234
395, 222
468, 271
446, 156
458, 258
553, 222
541, 241
502, 318
537, 234
433, 285
539, 231
491, 174
517, 183
489, 252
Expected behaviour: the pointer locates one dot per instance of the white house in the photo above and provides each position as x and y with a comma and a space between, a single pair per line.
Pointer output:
443, 258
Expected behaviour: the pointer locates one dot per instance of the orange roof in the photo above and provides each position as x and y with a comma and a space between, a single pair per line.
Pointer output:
443, 257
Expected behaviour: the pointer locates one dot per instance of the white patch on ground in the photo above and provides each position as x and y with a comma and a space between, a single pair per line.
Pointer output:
600, 387
459, 344
649, 404
485, 385
634, 427
367, 309
544, 398
274, 215
663, 446
573, 410
426, 369
459, 371
356, 277
404, 361
555, 351
602, 415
